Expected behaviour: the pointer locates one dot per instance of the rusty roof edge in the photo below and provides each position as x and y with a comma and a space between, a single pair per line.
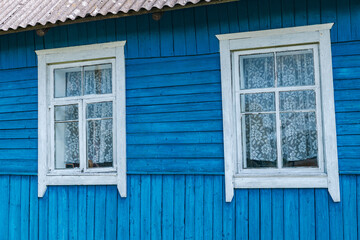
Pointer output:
89, 18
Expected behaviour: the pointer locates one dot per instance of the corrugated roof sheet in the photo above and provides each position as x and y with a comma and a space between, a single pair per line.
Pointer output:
23, 13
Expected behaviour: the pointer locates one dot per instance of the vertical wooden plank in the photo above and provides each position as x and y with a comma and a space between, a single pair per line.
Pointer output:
100, 200
53, 206
218, 201
336, 218
199, 207
343, 20
132, 43
30, 49
358, 201
229, 220
275, 14
179, 33
24, 206
243, 16
156, 193
349, 206
110, 30
208, 206
291, 213
83, 34
155, 38
277, 201
43, 216
264, 14
179, 203
21, 50
100, 31
73, 206
90, 212
288, 17
4, 207
168, 210
313, 12
135, 207
322, 214
73, 34
213, 27
202, 37
82, 193
92, 32
190, 31
300, 13
111, 209
189, 207
123, 215
34, 210
223, 19
166, 35
254, 214
253, 12
265, 213
355, 19
144, 35
12, 51
14, 207
63, 212
307, 214
233, 17
145, 207
328, 15
242, 214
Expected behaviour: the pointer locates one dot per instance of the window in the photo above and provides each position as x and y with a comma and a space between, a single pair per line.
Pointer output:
278, 110
82, 116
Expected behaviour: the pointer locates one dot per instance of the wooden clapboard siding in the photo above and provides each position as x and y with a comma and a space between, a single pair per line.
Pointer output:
175, 207
174, 122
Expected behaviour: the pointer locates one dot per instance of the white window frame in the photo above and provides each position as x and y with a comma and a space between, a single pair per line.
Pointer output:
316, 37
80, 56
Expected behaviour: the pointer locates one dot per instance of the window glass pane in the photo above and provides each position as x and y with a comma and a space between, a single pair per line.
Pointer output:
259, 140
67, 82
99, 135
257, 71
299, 139
258, 102
66, 137
295, 68
99, 110
68, 112
98, 79
297, 100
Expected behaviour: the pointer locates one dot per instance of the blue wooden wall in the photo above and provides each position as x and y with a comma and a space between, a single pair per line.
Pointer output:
174, 133
176, 207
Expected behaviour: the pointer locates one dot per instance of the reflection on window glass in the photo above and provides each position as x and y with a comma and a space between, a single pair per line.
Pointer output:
99, 135
257, 71
296, 110
260, 140
66, 137
295, 68
258, 102
299, 139
98, 79
297, 100
67, 82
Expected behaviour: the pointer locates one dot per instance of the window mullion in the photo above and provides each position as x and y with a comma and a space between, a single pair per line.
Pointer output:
82, 135
278, 123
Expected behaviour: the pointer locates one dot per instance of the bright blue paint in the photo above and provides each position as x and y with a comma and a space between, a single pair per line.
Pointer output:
174, 126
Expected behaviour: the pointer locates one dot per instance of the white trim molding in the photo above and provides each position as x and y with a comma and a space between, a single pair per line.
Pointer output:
80, 56
232, 46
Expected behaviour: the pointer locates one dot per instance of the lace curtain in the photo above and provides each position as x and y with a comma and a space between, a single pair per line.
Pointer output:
297, 108
99, 131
